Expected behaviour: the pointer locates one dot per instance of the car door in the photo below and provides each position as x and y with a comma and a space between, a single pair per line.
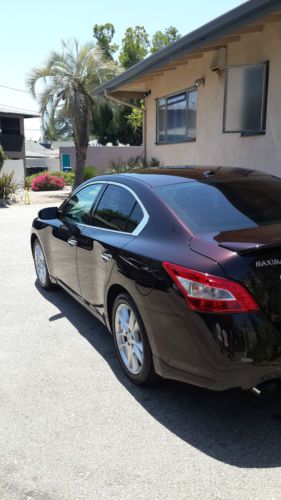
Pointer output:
66, 235
116, 217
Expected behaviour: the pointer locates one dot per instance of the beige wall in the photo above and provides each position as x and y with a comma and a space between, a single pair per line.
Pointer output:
101, 156
212, 147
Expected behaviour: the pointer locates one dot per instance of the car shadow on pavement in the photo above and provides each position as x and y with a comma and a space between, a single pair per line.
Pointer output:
234, 427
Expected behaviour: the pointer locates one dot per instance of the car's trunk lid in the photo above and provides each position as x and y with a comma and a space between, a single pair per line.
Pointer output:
252, 257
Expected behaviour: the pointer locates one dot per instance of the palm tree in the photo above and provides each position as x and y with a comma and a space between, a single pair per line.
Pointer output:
66, 84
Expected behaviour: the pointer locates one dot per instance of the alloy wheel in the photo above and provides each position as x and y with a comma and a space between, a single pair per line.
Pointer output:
129, 339
40, 264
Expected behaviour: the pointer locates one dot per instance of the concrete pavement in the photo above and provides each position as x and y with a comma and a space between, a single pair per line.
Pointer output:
72, 427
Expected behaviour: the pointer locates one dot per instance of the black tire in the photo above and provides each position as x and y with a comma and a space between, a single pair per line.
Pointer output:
146, 374
46, 283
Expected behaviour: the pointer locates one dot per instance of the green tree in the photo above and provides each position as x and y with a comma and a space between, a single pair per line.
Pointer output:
69, 78
135, 45
104, 34
115, 125
135, 118
105, 123
127, 134
161, 39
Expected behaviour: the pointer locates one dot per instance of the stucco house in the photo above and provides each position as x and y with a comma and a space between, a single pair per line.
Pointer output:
12, 140
214, 96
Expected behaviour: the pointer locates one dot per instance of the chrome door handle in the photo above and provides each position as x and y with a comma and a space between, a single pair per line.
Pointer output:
106, 256
72, 241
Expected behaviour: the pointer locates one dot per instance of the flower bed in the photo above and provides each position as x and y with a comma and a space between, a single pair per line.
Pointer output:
47, 182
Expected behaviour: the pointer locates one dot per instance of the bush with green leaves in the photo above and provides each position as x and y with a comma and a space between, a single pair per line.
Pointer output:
47, 182
68, 177
90, 172
2, 157
133, 163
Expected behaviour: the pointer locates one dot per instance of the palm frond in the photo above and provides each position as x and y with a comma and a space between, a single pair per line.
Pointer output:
66, 84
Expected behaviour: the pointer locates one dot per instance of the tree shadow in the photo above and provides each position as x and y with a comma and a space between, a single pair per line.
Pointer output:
233, 427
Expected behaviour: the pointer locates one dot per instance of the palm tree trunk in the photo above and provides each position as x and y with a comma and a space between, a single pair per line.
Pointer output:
81, 154
81, 118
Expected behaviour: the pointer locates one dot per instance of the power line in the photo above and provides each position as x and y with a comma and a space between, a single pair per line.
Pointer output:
13, 88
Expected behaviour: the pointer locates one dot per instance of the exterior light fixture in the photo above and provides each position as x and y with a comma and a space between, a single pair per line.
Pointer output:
200, 82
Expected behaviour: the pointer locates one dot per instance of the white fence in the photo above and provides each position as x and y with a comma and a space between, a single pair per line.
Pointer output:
16, 166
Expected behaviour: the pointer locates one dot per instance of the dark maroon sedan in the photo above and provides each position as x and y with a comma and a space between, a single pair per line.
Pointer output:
182, 265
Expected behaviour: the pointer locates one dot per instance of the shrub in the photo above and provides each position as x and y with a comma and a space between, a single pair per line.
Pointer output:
90, 172
2, 157
154, 162
133, 163
7, 185
67, 176
28, 180
47, 182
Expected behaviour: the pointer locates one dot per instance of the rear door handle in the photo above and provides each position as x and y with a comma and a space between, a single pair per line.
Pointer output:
72, 241
106, 256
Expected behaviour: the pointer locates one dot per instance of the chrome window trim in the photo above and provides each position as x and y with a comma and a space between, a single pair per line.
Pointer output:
139, 227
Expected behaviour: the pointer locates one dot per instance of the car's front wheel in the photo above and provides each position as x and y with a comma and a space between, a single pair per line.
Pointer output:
131, 341
41, 266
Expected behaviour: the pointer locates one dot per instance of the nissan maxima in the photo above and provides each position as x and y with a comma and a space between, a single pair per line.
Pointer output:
183, 266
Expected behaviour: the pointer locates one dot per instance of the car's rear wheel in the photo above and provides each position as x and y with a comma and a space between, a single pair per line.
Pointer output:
131, 341
41, 266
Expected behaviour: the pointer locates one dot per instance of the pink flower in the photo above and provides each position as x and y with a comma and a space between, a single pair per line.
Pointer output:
45, 182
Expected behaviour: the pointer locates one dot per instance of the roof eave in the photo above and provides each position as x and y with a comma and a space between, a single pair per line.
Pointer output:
197, 39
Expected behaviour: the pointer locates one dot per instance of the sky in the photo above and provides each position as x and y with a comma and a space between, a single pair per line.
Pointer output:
31, 29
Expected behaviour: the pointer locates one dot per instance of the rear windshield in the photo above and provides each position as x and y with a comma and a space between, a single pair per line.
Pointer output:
225, 205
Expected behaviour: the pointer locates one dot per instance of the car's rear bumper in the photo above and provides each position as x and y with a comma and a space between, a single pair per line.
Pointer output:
216, 351
241, 377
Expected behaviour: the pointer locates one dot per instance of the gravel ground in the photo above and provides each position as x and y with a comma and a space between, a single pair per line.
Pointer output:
73, 427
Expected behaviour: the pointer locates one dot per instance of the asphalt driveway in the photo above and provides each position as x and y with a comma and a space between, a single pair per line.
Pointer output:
73, 427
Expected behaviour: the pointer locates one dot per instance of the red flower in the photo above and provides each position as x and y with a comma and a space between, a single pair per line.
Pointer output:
45, 182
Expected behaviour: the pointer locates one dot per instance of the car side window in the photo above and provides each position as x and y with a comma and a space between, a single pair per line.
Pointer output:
118, 210
78, 208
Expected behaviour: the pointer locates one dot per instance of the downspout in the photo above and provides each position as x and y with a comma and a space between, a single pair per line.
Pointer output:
144, 134
125, 103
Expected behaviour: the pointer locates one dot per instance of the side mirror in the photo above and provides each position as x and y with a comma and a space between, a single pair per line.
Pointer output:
49, 213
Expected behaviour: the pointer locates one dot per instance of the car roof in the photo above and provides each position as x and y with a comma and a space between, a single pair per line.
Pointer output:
171, 175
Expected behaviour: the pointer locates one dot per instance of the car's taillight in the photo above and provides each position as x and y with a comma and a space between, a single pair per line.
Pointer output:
207, 293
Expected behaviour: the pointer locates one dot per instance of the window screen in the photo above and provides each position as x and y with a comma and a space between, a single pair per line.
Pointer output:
245, 98
118, 210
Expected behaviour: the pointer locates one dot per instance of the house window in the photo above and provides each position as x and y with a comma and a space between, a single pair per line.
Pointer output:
10, 126
176, 117
245, 99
